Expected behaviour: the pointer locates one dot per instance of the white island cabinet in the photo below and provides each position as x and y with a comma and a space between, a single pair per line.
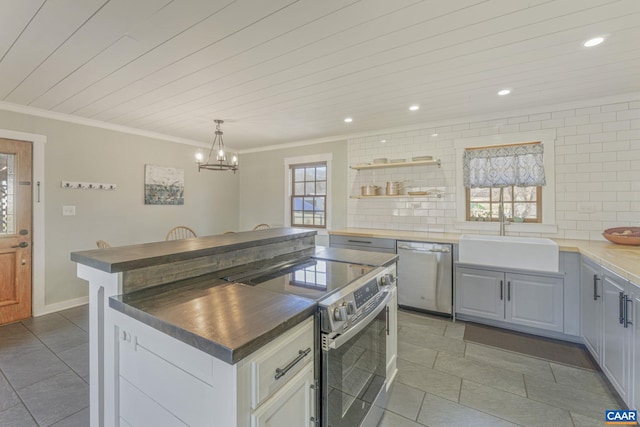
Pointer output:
161, 381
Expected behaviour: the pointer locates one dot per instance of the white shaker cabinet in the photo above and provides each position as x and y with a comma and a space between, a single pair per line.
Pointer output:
591, 307
293, 405
480, 293
616, 342
530, 300
162, 381
632, 316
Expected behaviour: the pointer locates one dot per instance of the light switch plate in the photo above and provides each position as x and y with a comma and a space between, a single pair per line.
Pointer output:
68, 210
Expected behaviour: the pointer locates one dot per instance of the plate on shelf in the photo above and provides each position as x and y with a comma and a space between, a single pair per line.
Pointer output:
397, 161
380, 161
421, 158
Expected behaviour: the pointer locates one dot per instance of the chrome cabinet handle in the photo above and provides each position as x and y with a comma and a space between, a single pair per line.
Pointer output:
595, 287
627, 300
501, 290
359, 241
280, 372
509, 290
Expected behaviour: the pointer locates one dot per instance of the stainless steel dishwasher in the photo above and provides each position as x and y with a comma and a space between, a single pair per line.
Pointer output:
425, 277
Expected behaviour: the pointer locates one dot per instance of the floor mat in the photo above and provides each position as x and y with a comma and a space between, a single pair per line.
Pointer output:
546, 348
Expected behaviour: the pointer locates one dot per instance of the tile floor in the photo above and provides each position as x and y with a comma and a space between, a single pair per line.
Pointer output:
445, 381
44, 371
442, 380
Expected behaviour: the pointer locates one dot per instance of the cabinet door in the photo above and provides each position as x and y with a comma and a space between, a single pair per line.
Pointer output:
633, 317
615, 344
291, 406
535, 301
392, 338
480, 293
591, 308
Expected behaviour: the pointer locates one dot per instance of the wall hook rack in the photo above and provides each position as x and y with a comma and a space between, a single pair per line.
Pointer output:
75, 185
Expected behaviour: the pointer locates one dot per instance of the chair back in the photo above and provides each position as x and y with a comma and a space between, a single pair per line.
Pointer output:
180, 232
261, 227
102, 244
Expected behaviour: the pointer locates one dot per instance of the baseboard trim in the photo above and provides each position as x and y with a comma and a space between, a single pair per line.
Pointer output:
52, 308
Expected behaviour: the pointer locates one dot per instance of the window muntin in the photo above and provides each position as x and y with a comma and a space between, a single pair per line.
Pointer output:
309, 195
521, 204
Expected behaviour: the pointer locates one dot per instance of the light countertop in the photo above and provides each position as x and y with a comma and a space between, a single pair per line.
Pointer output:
621, 259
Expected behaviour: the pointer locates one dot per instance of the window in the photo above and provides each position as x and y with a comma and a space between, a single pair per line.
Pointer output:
309, 195
510, 168
521, 204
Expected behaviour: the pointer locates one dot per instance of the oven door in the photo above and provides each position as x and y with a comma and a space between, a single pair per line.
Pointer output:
354, 372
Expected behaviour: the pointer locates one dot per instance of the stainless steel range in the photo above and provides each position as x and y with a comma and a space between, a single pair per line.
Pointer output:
351, 336
354, 329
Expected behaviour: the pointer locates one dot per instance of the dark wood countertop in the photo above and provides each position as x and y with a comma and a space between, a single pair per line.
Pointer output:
118, 259
226, 320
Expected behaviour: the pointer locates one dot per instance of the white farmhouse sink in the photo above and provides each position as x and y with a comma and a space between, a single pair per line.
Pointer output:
528, 253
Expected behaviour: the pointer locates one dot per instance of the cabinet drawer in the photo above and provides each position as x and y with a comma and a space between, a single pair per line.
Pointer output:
370, 243
277, 355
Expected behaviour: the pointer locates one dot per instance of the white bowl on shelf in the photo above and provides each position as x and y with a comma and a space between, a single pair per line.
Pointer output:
380, 161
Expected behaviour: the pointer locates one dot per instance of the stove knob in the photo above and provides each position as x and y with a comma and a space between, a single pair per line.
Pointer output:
392, 278
340, 313
351, 308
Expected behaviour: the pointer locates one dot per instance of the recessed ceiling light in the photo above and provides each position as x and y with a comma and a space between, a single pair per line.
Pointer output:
348, 120
383, 140
504, 92
593, 42
414, 108
434, 134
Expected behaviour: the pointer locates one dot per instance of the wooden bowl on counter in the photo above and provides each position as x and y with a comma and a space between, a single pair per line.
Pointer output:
623, 235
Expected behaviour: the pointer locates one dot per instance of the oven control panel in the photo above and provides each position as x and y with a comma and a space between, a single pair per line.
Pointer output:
339, 311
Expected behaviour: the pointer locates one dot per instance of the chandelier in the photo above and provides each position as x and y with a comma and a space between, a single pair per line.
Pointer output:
222, 162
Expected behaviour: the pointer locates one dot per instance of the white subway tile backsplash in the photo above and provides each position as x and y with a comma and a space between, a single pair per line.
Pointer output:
576, 121
595, 152
615, 107
553, 123
588, 110
564, 113
529, 126
536, 117
628, 114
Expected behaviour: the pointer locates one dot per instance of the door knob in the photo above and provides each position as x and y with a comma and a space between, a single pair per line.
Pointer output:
21, 245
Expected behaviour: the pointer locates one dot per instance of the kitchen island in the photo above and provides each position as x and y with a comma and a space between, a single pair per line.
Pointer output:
160, 314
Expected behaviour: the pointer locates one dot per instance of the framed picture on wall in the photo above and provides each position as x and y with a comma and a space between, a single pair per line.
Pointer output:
163, 185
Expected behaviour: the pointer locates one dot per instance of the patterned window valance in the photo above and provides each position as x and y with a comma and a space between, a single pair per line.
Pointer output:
519, 165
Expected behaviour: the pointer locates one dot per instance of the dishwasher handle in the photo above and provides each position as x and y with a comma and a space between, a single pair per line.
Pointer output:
443, 250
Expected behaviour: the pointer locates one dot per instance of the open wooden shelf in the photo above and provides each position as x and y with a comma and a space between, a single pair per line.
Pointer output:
397, 165
401, 196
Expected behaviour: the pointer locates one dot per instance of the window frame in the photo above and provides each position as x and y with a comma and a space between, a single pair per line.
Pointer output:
546, 137
512, 202
293, 195
287, 190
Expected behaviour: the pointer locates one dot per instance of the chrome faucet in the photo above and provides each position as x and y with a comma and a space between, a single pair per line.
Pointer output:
501, 217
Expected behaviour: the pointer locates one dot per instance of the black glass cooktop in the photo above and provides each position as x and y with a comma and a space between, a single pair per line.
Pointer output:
311, 278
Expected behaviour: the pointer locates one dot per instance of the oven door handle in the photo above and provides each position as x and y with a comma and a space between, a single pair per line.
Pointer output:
338, 341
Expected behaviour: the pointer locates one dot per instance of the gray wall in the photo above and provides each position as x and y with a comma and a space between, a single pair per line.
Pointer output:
262, 178
81, 153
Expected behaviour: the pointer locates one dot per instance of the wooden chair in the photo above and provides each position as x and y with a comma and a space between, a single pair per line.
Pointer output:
261, 227
102, 244
180, 232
